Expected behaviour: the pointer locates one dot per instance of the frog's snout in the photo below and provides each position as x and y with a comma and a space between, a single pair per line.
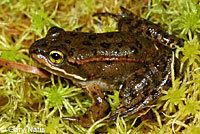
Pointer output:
36, 48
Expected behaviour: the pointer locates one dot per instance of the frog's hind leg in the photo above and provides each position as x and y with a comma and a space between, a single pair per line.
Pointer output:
117, 17
143, 87
129, 22
96, 111
124, 19
126, 12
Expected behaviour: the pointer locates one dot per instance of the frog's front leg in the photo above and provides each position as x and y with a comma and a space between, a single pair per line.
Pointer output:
96, 111
143, 87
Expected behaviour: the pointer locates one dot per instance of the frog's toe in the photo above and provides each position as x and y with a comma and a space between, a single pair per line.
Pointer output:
117, 17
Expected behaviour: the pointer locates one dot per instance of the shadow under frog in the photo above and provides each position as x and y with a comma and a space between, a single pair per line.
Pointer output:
136, 59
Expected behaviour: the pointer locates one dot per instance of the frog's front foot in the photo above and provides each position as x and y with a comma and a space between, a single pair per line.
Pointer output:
96, 111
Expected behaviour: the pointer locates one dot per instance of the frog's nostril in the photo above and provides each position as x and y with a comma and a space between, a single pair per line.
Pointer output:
36, 51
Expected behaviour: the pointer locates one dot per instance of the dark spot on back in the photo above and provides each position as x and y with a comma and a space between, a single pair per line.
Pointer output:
109, 62
68, 41
116, 51
94, 94
92, 37
73, 33
133, 49
119, 45
44, 45
128, 21
105, 45
86, 43
138, 44
131, 28
57, 47
138, 23
109, 35
94, 51
71, 52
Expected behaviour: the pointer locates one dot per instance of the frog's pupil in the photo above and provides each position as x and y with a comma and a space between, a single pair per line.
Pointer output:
55, 56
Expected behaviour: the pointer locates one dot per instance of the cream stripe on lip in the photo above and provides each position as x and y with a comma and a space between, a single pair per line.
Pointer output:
43, 60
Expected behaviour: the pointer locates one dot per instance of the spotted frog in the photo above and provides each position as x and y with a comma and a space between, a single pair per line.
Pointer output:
135, 60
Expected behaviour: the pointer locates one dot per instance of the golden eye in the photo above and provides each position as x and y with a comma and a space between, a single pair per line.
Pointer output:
56, 57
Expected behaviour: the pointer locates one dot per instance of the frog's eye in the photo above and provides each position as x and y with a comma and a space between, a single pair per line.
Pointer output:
56, 57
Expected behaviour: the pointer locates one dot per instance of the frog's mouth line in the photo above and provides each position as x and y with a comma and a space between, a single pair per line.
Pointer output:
42, 60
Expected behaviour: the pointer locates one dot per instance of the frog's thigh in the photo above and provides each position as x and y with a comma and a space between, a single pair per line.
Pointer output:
143, 87
139, 85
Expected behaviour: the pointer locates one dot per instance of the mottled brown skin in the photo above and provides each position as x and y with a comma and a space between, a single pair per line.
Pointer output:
132, 59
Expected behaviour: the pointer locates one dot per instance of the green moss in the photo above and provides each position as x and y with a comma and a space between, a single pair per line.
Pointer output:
114, 100
28, 100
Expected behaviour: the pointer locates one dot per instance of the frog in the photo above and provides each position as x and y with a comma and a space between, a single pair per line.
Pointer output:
135, 60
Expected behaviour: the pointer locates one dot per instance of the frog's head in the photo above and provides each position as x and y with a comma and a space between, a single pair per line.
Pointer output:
51, 53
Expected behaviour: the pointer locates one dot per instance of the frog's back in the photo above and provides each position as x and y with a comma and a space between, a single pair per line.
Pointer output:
105, 57
90, 47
